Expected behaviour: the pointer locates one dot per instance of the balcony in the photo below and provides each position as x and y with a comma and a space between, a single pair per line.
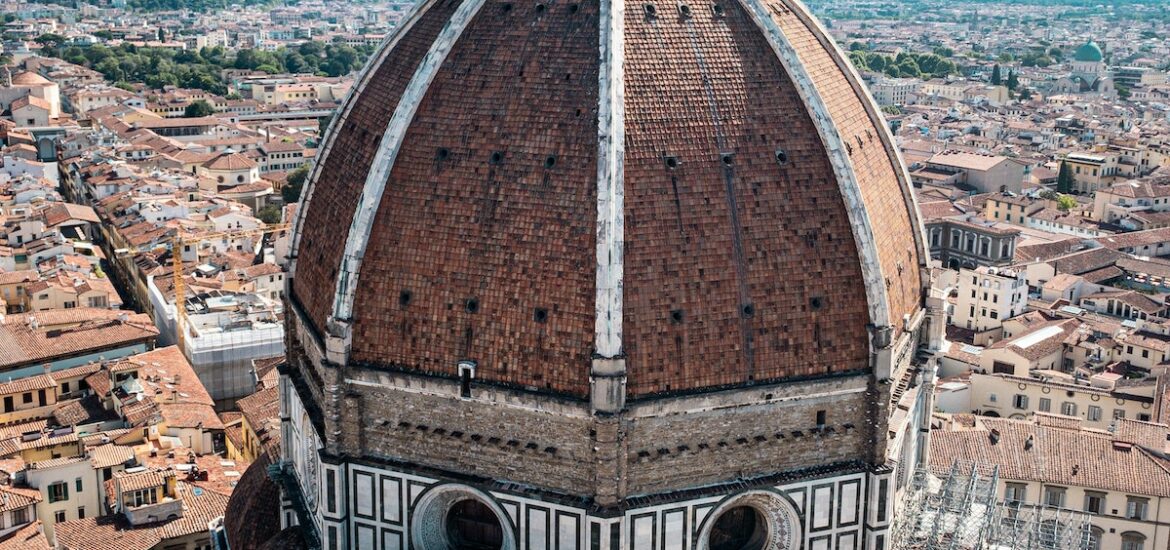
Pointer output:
167, 508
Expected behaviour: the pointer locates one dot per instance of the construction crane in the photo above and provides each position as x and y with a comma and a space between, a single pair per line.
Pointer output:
177, 244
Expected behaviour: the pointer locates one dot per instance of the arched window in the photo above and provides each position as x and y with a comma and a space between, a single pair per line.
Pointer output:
1133, 541
472, 525
740, 528
1095, 536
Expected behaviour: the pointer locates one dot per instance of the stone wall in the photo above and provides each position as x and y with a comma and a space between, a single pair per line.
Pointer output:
557, 444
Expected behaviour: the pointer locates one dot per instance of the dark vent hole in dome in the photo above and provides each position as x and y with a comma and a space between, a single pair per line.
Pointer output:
540, 8
405, 297
672, 162
442, 153
573, 8
718, 10
472, 305
651, 11
506, 8
676, 316
747, 310
781, 156
684, 10
497, 157
540, 315
550, 161
816, 303
728, 159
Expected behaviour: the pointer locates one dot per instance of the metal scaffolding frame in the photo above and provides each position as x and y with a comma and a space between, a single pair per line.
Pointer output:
960, 510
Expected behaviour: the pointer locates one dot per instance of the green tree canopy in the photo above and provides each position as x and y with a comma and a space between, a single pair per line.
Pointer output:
1064, 179
269, 214
198, 108
291, 192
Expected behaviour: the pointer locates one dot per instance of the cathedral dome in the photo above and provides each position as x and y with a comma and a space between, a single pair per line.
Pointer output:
1089, 52
703, 190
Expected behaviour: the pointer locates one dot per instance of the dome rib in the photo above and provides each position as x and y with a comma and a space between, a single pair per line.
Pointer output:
881, 173
391, 142
734, 177
344, 160
859, 221
363, 79
611, 145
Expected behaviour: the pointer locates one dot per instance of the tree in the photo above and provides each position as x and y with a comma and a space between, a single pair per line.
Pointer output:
269, 214
50, 40
1123, 91
1066, 203
858, 60
943, 51
291, 192
1025, 95
1064, 179
199, 108
996, 77
1013, 81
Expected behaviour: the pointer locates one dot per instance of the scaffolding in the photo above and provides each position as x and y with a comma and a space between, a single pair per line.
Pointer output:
960, 509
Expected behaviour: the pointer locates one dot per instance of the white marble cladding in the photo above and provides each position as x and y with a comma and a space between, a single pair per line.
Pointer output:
831, 511
370, 508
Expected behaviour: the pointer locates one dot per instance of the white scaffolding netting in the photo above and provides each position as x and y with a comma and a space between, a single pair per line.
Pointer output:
960, 509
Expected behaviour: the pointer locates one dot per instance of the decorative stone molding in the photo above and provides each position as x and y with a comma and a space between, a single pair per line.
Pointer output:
782, 521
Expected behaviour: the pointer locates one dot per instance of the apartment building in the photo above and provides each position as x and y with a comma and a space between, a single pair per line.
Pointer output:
1057, 461
988, 296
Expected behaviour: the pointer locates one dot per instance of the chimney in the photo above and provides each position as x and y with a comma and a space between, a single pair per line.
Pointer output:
174, 396
177, 379
48, 368
993, 436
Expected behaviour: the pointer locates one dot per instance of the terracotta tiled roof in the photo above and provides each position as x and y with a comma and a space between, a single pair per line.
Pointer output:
15, 498
720, 233
28, 384
104, 533
82, 411
260, 407
16, 277
65, 333
1054, 332
230, 162
190, 415
126, 482
29, 537
109, 455
76, 372
253, 513
29, 78
1086, 260
1060, 453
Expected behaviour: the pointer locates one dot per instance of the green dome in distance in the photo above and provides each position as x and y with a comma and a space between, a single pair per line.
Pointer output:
1089, 52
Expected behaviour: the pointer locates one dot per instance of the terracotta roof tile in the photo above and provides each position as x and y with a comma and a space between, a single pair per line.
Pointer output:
1060, 453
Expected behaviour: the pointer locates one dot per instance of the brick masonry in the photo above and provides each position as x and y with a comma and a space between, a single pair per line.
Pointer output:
558, 446
739, 268
876, 169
